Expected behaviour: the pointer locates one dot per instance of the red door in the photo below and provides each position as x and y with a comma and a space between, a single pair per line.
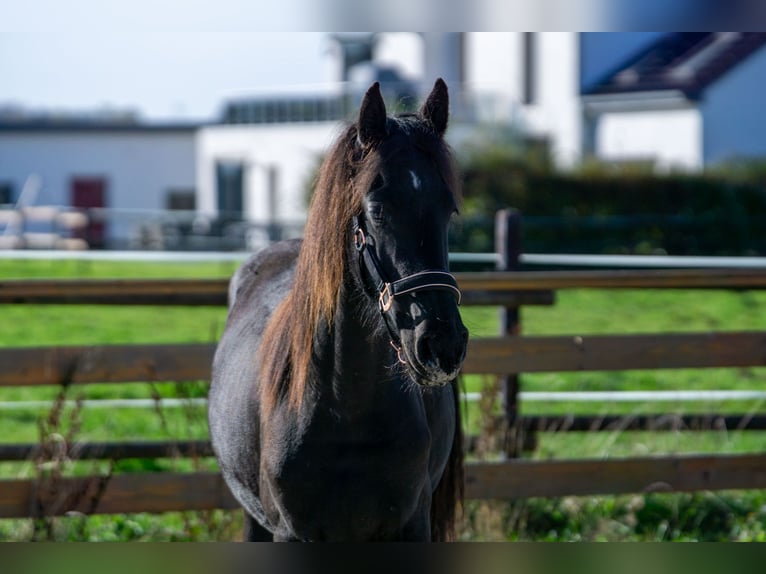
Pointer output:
88, 192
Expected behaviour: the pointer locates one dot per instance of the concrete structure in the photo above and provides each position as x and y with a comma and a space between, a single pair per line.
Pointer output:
526, 79
260, 173
116, 165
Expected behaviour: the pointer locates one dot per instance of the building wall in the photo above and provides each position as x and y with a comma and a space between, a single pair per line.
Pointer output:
555, 112
491, 66
292, 150
404, 50
735, 123
670, 138
493, 63
494, 76
139, 168
442, 58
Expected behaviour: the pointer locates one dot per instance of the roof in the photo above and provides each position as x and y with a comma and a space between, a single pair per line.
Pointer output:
688, 62
65, 125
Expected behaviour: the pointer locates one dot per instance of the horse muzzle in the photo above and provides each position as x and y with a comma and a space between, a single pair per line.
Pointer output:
435, 348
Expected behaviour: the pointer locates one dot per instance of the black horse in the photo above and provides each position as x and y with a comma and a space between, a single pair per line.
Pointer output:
334, 408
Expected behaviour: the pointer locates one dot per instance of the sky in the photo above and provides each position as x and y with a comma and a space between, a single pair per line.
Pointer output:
188, 76
181, 59
163, 75
172, 75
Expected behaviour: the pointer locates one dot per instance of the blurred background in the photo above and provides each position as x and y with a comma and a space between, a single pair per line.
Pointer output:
607, 142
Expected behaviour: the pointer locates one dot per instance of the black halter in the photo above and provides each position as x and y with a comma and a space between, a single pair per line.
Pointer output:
388, 290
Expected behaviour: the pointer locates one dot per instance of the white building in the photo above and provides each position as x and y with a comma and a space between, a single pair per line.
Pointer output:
260, 173
89, 164
685, 102
531, 79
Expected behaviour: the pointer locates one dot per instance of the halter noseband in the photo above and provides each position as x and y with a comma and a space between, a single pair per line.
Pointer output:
388, 290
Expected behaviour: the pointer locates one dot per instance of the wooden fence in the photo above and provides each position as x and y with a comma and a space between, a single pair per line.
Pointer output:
505, 356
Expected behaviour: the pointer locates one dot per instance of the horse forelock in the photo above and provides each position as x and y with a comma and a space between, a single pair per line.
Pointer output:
344, 176
420, 136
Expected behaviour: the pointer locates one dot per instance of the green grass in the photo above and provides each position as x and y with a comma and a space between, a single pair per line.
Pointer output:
43, 325
31, 269
578, 312
588, 312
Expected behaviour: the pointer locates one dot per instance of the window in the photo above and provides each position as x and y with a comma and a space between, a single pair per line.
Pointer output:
88, 193
181, 199
6, 192
529, 62
229, 176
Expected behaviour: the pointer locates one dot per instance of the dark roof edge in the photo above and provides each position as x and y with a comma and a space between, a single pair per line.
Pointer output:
595, 85
742, 49
42, 126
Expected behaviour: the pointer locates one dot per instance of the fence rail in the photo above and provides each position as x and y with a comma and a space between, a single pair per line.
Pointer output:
165, 492
194, 292
113, 450
529, 259
191, 448
481, 288
33, 366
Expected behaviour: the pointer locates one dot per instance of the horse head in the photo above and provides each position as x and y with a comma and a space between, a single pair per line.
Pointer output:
399, 236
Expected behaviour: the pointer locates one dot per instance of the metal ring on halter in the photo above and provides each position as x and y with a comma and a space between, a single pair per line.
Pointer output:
424, 281
398, 353
360, 240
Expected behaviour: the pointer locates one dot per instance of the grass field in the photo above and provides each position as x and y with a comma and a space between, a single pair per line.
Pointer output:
652, 517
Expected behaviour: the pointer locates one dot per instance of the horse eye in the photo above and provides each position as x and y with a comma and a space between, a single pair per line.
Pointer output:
375, 211
378, 183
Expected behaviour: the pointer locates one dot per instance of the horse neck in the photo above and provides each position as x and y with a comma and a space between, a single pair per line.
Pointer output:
356, 363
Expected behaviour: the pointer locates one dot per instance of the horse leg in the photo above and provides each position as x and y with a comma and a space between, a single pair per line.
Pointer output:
254, 532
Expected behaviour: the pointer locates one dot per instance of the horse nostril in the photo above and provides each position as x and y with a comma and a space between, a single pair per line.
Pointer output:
426, 349
446, 353
464, 342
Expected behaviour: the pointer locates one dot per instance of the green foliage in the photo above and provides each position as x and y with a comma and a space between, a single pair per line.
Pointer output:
208, 526
708, 517
752, 170
608, 209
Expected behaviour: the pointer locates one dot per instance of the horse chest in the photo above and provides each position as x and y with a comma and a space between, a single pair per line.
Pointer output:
353, 483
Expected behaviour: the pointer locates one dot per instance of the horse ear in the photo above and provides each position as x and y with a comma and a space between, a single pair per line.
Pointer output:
435, 110
372, 117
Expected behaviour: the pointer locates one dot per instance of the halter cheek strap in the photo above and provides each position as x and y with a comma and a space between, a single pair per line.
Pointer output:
388, 290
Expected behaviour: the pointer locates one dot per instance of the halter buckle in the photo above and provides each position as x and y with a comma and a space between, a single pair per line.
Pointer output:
386, 298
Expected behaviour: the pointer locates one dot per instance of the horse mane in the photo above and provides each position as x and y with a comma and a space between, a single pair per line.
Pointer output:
346, 173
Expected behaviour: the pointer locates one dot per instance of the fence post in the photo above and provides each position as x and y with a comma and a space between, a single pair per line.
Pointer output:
508, 246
